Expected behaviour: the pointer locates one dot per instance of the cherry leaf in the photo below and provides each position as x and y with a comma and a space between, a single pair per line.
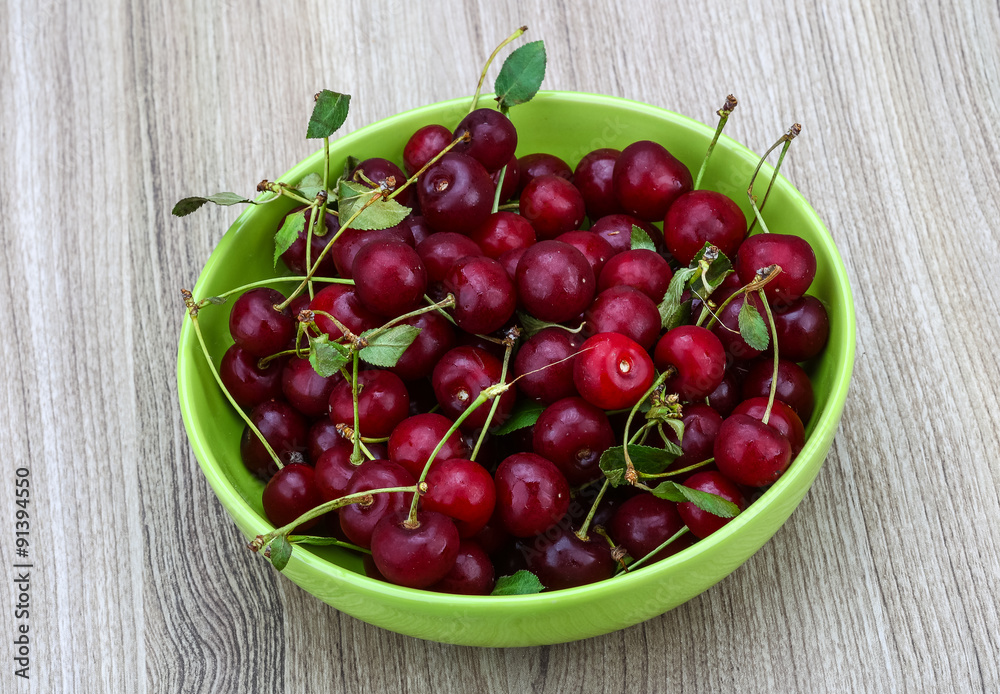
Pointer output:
524, 414
677, 425
641, 240
645, 459
309, 186
752, 326
381, 214
671, 309
287, 233
521, 583
710, 503
188, 205
216, 300
711, 267
521, 75
385, 349
328, 114
533, 325
327, 358
280, 552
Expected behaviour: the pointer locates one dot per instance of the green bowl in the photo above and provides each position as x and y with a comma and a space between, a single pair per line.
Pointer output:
569, 125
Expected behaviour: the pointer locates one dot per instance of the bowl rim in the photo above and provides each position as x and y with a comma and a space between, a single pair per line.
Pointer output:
234, 503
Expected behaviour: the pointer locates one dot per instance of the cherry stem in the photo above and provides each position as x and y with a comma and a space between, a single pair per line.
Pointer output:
465, 137
774, 346
631, 476
272, 280
639, 562
319, 540
674, 473
264, 361
723, 114
496, 401
510, 206
439, 309
489, 61
787, 140
582, 532
446, 302
356, 453
496, 196
756, 283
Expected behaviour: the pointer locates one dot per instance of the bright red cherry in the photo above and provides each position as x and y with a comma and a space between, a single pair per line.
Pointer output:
647, 179
552, 205
612, 371
359, 520
783, 418
640, 268
540, 164
383, 402
501, 232
341, 302
700, 217
793, 254
415, 438
415, 557
462, 490
458, 379
698, 357
750, 452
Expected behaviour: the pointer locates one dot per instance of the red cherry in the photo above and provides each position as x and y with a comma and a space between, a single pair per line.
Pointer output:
701, 427
532, 494
612, 371
283, 428
562, 560
493, 138
484, 294
627, 311
574, 434
750, 452
424, 145
383, 402
389, 278
726, 396
783, 418
306, 390
436, 337
249, 384
645, 522
456, 193
729, 330
462, 490
802, 327
698, 357
379, 170
439, 251
351, 242
415, 557
257, 327
643, 269
415, 438
647, 179
593, 176
595, 249
289, 494
552, 205
702, 523
458, 379
793, 254
295, 256
540, 164
341, 302
554, 281
501, 232
794, 387
511, 180
472, 573
616, 229
700, 217
359, 520
334, 470
544, 366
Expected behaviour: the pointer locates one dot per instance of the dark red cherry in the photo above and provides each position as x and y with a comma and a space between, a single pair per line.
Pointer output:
484, 294
612, 371
440, 251
306, 390
493, 535
509, 260
257, 327
511, 180
322, 436
389, 278
379, 171
803, 328
562, 560
645, 522
698, 357
295, 256
334, 470
794, 387
424, 145
415, 438
351, 241
289, 494
729, 330
283, 428
595, 249
751, 453
701, 427
793, 254
593, 177
417, 227
544, 365
436, 337
456, 193
702, 523
501, 232
341, 302
554, 281
783, 418
627, 311
540, 164
415, 557
552, 205
462, 490
249, 384
726, 396
459, 378
647, 179
472, 573
645, 270
359, 520
532, 494
574, 434
616, 229
700, 217
383, 402
493, 138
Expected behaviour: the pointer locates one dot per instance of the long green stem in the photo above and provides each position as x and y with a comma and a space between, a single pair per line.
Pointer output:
489, 61
753, 285
774, 176
786, 139
448, 301
674, 473
413, 179
640, 562
326, 541
582, 532
272, 280
496, 195
630, 474
495, 404
774, 346
723, 114
356, 453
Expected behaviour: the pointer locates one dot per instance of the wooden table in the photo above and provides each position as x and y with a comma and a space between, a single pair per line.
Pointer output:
885, 579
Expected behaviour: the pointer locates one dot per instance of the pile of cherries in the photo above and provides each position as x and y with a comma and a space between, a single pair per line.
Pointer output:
561, 255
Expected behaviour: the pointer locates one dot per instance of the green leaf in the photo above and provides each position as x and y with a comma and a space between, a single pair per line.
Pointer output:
710, 503
216, 300
533, 325
671, 308
521, 75
521, 583
381, 214
290, 229
328, 114
677, 425
350, 164
752, 326
524, 414
327, 357
645, 459
309, 186
188, 205
385, 349
280, 552
712, 267
641, 240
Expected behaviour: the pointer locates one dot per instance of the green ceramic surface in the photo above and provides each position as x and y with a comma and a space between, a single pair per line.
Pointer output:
569, 125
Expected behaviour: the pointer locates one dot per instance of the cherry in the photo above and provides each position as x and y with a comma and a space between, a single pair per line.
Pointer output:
257, 327
574, 434
702, 523
424, 145
562, 560
645, 270
802, 327
793, 254
595, 249
283, 428
472, 573
341, 302
593, 176
794, 387
436, 337
295, 255
415, 438
461, 375
726, 396
322, 435
389, 278
440, 251
624, 310
645, 522
418, 228
334, 470
616, 229
700, 217
612, 371
462, 490
351, 242
371, 571
289, 494
383, 402
701, 427
249, 384
511, 180
359, 520
552, 205
554, 281
532, 494
501, 232
484, 294
493, 536
456, 193
306, 390
379, 170
750, 452
647, 179
728, 327
415, 557
782, 418
698, 357
510, 260
540, 164
540, 376
493, 138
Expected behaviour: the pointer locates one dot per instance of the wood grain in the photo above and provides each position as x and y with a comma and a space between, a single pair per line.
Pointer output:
886, 579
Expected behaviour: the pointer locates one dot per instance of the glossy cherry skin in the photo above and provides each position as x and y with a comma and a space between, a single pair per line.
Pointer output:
359, 520
593, 177
793, 254
458, 379
334, 470
484, 294
257, 327
751, 453
574, 434
702, 523
249, 384
472, 573
383, 402
643, 269
389, 278
726, 396
341, 302
701, 427
379, 170
732, 341
532, 494
647, 179
541, 164
616, 229
793, 389
322, 435
544, 365
803, 328
438, 252
552, 205
612, 371
462, 490
698, 357
283, 428
289, 494
700, 217
436, 337
415, 438
306, 390
418, 228
351, 241
783, 418
295, 255
456, 193
562, 560
554, 281
493, 138
511, 180
510, 260
424, 145
415, 557
501, 232
595, 249
645, 522
624, 310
